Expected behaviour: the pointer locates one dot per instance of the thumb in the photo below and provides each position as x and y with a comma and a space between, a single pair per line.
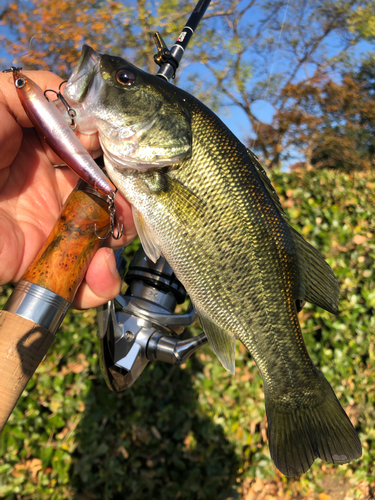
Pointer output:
102, 282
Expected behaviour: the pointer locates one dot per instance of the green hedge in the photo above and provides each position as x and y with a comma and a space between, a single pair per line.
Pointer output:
196, 432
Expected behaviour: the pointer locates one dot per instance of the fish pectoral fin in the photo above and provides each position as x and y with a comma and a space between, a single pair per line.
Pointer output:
185, 202
222, 342
317, 283
298, 436
148, 240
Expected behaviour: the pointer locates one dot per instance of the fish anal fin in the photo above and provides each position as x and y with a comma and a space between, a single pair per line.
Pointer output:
299, 436
222, 342
148, 240
317, 285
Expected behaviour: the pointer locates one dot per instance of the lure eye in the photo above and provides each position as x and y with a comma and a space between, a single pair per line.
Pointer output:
125, 77
20, 83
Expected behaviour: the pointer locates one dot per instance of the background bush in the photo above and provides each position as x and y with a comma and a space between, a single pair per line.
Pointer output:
195, 432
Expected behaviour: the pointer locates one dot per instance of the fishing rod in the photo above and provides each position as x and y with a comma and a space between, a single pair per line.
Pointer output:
169, 60
40, 301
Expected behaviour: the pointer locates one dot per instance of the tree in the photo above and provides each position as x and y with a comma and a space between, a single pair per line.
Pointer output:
362, 21
245, 52
296, 43
347, 137
333, 123
48, 34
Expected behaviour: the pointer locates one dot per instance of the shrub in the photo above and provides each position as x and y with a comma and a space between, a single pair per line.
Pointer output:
196, 432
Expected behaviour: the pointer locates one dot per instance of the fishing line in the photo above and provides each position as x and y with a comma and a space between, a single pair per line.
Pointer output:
32, 44
15, 60
271, 70
29, 44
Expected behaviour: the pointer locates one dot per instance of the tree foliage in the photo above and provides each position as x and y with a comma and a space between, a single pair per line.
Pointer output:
246, 53
333, 123
49, 34
288, 44
362, 20
346, 139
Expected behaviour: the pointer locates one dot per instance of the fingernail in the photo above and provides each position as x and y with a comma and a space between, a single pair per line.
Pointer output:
111, 262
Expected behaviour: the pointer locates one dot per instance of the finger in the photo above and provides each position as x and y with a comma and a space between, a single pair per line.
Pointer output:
9, 98
102, 282
10, 137
46, 81
90, 142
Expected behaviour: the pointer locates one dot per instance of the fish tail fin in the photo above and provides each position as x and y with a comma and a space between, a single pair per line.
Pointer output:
299, 435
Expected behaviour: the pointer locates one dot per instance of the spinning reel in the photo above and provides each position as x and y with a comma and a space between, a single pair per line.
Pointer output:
141, 325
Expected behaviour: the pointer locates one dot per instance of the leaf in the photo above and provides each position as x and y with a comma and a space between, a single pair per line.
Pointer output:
359, 239
324, 496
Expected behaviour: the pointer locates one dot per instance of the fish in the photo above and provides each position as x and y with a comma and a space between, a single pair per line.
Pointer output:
203, 201
51, 124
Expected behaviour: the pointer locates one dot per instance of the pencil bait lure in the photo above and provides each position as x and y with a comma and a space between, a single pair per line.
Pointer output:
58, 134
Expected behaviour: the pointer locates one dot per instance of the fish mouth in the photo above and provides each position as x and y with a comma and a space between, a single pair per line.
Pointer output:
82, 79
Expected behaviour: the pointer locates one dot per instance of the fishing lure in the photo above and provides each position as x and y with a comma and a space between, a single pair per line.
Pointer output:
51, 124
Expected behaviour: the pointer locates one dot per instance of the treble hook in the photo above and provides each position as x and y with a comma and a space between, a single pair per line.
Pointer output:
112, 212
71, 112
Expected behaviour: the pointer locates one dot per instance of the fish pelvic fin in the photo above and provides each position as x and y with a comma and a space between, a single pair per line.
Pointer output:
298, 436
317, 283
222, 342
148, 240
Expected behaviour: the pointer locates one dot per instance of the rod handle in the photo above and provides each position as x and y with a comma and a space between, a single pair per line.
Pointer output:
61, 264
23, 345
40, 301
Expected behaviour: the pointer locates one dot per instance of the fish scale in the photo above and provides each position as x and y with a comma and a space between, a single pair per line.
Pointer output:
205, 203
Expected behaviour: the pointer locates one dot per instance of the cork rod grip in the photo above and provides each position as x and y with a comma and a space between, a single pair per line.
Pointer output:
23, 344
61, 264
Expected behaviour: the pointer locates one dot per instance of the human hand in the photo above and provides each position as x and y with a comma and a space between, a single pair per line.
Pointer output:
32, 193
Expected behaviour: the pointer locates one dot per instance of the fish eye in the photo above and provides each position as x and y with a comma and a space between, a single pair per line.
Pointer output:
125, 77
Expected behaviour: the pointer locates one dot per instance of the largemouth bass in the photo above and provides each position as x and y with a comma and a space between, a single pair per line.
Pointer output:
202, 200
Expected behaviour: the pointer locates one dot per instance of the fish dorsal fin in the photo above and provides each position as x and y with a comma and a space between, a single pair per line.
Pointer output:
148, 240
222, 342
267, 183
317, 283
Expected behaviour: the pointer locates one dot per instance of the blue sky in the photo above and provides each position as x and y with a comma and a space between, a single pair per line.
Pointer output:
234, 118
